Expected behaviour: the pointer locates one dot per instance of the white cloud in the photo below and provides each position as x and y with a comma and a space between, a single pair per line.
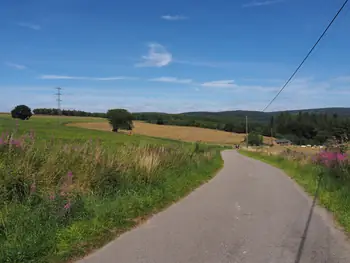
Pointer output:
262, 3
84, 78
174, 17
16, 66
157, 56
30, 26
220, 84
172, 80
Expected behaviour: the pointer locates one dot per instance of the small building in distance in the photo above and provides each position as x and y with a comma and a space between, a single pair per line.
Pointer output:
283, 142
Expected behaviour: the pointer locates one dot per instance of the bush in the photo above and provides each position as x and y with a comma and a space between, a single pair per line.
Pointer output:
120, 119
22, 112
255, 139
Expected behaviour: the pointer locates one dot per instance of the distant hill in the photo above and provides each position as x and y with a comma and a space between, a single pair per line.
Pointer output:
344, 112
264, 116
311, 128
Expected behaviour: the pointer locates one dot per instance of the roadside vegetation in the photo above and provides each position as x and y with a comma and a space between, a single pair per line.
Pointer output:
66, 190
331, 168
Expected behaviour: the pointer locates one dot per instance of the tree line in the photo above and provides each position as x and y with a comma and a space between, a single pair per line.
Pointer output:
79, 113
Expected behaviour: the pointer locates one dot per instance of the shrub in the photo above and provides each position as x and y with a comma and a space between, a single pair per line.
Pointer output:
255, 139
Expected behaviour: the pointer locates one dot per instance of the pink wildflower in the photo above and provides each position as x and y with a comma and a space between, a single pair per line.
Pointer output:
15, 143
67, 206
70, 174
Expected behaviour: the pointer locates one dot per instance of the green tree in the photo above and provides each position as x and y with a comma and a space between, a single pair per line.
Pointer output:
255, 139
120, 119
22, 112
160, 121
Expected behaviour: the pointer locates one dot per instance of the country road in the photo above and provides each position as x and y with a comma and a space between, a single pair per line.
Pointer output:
249, 213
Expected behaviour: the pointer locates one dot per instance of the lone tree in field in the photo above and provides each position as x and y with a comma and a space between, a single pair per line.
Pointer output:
255, 139
22, 112
120, 119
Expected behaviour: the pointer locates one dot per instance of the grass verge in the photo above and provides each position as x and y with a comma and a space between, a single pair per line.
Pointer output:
63, 196
333, 192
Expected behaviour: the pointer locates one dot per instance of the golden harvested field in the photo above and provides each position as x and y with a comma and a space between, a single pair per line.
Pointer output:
189, 134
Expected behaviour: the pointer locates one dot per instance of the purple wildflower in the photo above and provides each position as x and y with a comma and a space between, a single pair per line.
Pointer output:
67, 206
330, 158
16, 143
70, 174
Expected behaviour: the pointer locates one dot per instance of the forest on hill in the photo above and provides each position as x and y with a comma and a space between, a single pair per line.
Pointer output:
309, 126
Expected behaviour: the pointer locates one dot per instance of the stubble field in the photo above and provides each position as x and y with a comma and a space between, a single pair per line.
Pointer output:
187, 134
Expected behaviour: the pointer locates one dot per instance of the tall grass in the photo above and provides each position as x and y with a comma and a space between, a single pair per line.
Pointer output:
61, 199
334, 191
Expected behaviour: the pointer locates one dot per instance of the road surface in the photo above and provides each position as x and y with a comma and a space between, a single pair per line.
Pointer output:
249, 213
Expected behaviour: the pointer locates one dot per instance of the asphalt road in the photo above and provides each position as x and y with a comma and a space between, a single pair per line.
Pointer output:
249, 213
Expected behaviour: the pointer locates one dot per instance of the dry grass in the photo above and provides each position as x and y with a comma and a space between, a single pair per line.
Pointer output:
305, 150
189, 134
278, 149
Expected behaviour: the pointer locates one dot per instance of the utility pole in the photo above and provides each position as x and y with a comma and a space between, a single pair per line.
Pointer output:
271, 137
59, 94
246, 129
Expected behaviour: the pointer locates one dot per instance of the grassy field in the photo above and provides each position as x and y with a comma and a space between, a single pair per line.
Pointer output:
334, 187
189, 134
66, 190
53, 127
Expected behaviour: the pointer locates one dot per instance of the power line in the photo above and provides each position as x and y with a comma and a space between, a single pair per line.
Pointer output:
59, 94
307, 56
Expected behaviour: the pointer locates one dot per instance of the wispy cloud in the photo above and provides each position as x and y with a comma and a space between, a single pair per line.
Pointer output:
157, 56
220, 84
16, 66
84, 78
174, 17
343, 79
30, 26
263, 3
172, 80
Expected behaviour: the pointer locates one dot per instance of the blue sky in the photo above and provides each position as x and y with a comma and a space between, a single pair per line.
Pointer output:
172, 56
